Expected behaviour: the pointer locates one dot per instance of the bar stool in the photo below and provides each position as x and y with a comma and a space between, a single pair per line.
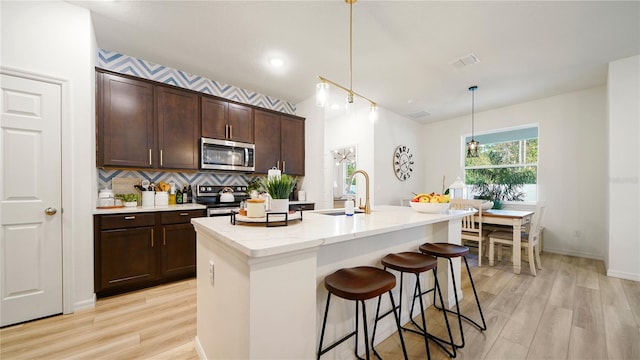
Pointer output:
450, 251
415, 263
358, 284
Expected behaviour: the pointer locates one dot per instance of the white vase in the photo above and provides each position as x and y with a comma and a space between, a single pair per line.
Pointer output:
279, 205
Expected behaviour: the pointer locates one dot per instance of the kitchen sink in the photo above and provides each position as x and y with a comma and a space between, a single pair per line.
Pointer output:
337, 212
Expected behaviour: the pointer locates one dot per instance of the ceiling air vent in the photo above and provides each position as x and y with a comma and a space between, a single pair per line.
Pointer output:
418, 114
466, 60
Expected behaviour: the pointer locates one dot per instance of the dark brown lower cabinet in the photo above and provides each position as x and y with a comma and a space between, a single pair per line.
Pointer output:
138, 250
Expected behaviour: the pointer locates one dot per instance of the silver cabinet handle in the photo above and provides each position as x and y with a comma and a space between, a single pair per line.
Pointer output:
50, 211
284, 166
161, 158
150, 158
129, 217
231, 132
184, 214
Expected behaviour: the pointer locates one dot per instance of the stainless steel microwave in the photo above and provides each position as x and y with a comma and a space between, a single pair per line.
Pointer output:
226, 155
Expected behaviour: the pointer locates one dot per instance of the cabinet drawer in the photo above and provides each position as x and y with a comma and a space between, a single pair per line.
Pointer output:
180, 217
127, 221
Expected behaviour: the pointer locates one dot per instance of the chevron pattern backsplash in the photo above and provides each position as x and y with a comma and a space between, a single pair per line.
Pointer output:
123, 64
180, 179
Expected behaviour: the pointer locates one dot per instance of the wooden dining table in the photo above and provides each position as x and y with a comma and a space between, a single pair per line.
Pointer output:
516, 219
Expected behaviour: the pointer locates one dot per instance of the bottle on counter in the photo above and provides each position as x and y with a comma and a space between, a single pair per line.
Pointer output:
190, 195
185, 195
348, 207
178, 196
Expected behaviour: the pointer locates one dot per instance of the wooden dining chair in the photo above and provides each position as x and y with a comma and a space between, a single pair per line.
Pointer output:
471, 229
529, 240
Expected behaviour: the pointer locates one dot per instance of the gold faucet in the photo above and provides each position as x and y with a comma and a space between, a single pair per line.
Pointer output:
367, 206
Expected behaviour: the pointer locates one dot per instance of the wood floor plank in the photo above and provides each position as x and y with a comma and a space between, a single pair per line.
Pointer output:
611, 292
551, 340
587, 275
564, 286
588, 309
632, 292
523, 322
622, 334
587, 344
508, 350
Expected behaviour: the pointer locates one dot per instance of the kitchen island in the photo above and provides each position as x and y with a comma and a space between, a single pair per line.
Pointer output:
260, 292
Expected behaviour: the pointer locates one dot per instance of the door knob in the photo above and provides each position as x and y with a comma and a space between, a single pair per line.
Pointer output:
50, 211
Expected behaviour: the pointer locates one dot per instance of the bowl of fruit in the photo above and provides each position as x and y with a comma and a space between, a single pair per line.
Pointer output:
430, 203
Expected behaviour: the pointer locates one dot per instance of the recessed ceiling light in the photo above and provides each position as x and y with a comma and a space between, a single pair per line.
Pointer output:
277, 62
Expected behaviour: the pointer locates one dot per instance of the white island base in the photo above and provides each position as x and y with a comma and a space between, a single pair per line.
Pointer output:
265, 296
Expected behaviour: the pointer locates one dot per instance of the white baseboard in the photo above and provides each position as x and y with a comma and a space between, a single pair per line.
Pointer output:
581, 254
199, 349
623, 275
85, 304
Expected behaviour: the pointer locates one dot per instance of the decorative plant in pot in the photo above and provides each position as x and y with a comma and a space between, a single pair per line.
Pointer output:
253, 187
279, 188
128, 200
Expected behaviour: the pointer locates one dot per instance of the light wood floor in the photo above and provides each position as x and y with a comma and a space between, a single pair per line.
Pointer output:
571, 310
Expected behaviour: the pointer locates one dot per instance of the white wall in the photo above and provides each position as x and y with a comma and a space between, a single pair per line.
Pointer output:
314, 182
56, 39
572, 163
623, 87
390, 131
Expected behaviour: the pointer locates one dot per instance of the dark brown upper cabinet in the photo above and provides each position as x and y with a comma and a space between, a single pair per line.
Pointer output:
226, 121
125, 122
178, 128
279, 143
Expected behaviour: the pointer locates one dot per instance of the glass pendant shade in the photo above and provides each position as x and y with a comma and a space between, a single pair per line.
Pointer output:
472, 148
322, 94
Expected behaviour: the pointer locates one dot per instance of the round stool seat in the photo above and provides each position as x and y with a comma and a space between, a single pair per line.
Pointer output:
359, 283
410, 262
445, 250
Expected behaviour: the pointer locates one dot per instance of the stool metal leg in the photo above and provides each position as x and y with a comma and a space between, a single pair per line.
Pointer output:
322, 351
422, 330
396, 315
457, 312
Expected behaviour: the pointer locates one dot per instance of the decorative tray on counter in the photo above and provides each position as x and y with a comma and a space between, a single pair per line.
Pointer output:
272, 219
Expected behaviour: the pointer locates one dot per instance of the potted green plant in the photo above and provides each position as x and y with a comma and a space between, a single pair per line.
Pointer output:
279, 188
128, 200
253, 187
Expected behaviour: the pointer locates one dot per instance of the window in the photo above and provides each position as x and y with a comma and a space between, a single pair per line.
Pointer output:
507, 166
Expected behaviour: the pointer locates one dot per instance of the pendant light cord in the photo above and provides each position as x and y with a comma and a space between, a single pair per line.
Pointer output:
351, 46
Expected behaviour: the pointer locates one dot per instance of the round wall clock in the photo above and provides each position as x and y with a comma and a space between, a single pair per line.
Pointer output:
402, 162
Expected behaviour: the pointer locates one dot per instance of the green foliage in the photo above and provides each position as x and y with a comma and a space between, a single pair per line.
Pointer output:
254, 184
503, 183
131, 197
279, 188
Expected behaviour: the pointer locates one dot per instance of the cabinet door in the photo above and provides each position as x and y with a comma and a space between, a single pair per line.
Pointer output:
214, 117
292, 145
125, 122
127, 258
178, 128
267, 140
178, 250
240, 123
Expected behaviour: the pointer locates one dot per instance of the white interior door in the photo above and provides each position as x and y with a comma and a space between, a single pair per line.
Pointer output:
31, 196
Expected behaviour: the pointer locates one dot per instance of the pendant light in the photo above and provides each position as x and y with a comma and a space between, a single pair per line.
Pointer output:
472, 146
322, 88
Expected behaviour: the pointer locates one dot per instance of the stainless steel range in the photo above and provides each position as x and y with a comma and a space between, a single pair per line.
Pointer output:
221, 200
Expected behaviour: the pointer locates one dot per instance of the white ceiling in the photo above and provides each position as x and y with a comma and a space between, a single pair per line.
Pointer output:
402, 50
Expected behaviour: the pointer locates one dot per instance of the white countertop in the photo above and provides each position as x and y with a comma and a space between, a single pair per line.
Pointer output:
137, 209
315, 229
